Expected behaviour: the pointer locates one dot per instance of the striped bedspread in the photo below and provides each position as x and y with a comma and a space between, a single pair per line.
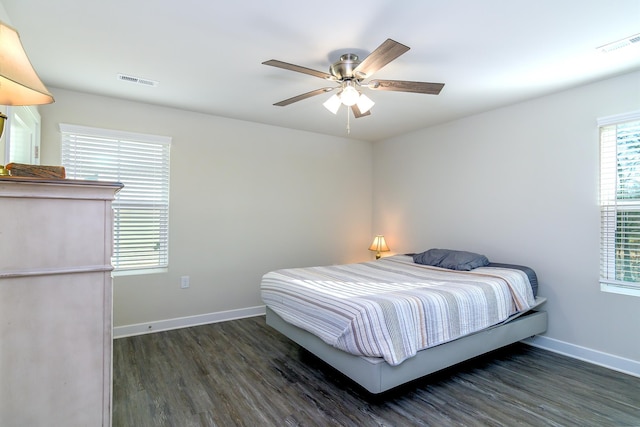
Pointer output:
392, 307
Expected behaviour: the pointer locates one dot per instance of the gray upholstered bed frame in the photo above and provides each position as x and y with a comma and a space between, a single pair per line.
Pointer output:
376, 375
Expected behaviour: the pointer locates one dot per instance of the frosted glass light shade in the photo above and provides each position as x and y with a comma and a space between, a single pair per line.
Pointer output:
349, 96
333, 104
364, 103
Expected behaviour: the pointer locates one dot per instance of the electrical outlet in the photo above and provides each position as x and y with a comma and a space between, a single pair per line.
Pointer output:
184, 282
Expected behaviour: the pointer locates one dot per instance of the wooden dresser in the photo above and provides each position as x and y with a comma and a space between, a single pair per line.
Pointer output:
55, 302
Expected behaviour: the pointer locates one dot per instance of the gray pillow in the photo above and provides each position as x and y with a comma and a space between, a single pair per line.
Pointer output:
451, 259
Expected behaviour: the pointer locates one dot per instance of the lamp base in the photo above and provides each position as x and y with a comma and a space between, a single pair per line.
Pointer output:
3, 117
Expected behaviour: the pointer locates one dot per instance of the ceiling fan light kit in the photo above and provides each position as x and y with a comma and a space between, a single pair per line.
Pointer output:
350, 72
360, 100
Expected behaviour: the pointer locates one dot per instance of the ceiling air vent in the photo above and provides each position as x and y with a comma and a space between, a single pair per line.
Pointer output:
627, 41
137, 80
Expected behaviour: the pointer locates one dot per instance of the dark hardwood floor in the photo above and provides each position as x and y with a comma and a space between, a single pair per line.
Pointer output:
243, 373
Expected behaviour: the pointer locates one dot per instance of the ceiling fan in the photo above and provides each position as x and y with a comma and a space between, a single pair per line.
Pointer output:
350, 73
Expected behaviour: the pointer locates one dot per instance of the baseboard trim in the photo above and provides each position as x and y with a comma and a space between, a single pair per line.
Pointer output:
595, 357
185, 322
606, 360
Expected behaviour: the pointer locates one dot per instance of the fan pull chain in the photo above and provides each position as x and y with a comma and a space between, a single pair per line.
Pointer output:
348, 121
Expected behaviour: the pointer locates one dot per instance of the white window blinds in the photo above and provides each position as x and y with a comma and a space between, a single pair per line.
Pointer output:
620, 203
141, 208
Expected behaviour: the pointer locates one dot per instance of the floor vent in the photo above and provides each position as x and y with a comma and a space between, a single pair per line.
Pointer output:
137, 80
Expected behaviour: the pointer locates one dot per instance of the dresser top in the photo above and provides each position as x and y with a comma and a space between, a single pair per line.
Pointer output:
18, 186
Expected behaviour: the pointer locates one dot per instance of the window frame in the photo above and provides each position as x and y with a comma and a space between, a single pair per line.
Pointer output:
611, 205
145, 194
22, 135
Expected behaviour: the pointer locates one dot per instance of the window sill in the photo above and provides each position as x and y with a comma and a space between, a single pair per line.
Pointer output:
116, 273
617, 289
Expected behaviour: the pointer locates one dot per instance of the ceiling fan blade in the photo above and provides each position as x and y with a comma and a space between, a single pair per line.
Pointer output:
405, 86
304, 96
385, 53
356, 112
299, 69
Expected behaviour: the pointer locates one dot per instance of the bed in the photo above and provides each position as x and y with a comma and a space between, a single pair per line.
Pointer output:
387, 322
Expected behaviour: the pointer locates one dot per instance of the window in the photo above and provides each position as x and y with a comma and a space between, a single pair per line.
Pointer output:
141, 208
22, 135
620, 203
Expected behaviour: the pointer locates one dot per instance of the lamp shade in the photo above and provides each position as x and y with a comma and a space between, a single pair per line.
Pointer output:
349, 96
379, 245
333, 104
364, 103
19, 83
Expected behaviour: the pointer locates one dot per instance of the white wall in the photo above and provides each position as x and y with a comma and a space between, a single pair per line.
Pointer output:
245, 199
520, 185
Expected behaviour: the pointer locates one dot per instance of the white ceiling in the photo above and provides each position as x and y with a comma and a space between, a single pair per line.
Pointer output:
207, 55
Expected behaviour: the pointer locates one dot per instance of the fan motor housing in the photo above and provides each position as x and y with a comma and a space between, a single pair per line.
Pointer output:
343, 68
